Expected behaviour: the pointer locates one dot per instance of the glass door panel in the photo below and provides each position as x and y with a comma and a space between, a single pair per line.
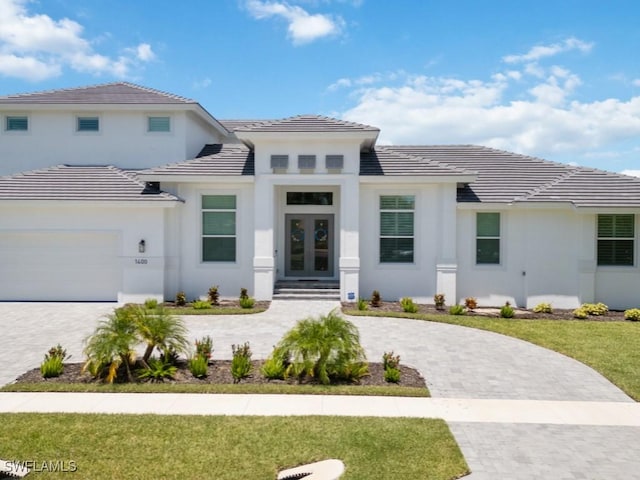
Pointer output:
309, 245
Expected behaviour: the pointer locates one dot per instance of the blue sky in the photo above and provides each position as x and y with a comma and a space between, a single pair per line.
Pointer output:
556, 79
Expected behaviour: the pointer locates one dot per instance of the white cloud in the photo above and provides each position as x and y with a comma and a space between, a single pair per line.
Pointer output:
542, 51
35, 47
303, 26
200, 84
633, 173
636, 82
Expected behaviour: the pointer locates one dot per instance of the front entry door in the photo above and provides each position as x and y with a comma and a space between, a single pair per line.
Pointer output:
309, 245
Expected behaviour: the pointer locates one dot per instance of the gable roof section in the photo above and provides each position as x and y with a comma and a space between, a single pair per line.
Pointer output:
306, 123
87, 183
109, 93
384, 161
232, 125
213, 160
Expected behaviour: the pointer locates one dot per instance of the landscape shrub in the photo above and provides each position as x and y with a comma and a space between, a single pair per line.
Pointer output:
241, 362
471, 303
198, 365
324, 348
457, 310
181, 299
150, 303
438, 300
392, 375
408, 305
389, 360
157, 370
53, 363
214, 296
596, 309
376, 299
160, 330
201, 305
243, 293
275, 366
247, 302
507, 311
204, 347
580, 313
543, 308
632, 314
362, 304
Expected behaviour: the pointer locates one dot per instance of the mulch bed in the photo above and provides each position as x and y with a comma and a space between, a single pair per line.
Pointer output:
220, 373
494, 312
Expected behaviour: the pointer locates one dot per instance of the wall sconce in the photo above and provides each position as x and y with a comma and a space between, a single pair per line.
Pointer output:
142, 246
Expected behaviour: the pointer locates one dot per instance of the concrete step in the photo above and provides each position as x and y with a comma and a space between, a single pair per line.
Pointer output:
306, 290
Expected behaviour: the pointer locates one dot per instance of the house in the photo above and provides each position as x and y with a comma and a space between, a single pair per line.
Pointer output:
118, 192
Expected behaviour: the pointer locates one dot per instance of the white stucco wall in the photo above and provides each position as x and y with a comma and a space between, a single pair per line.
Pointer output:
141, 273
434, 243
122, 141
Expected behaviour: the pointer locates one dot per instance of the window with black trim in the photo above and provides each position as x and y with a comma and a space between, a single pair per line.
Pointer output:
397, 228
616, 240
218, 228
487, 238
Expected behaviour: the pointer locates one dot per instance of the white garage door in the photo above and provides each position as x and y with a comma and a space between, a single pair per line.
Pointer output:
59, 266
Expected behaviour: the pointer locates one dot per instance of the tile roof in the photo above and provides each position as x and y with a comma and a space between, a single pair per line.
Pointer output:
108, 93
89, 183
214, 159
231, 125
306, 123
506, 177
388, 162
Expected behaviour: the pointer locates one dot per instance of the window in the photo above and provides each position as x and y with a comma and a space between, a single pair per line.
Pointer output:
218, 228
158, 124
334, 162
309, 198
616, 235
487, 238
280, 161
17, 124
88, 124
306, 162
396, 228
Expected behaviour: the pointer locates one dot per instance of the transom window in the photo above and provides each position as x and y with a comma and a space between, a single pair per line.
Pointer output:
88, 124
397, 228
218, 228
616, 240
487, 238
309, 198
16, 124
158, 124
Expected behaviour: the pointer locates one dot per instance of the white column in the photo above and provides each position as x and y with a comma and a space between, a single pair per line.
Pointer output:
349, 262
263, 258
447, 265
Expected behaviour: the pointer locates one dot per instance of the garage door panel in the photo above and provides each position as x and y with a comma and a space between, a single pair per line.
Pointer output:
59, 266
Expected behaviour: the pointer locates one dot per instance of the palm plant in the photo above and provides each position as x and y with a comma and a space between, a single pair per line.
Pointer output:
323, 347
160, 329
112, 345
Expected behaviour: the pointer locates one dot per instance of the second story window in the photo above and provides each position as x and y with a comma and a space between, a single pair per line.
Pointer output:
17, 124
88, 124
158, 124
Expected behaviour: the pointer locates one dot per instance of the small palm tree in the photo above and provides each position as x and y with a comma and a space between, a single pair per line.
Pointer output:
159, 329
112, 345
323, 347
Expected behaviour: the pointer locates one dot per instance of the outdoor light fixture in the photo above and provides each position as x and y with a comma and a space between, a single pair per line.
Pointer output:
142, 246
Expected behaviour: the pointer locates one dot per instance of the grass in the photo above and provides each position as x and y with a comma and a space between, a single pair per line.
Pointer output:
611, 348
228, 448
268, 388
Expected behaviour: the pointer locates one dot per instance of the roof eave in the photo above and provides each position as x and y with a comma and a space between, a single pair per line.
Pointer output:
194, 178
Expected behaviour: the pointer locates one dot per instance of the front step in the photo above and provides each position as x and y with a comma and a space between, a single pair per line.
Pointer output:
306, 290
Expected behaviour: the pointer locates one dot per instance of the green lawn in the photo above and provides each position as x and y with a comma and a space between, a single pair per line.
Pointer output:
611, 348
150, 446
270, 388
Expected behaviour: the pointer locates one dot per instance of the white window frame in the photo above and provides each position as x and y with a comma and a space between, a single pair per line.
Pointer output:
380, 211
159, 132
221, 210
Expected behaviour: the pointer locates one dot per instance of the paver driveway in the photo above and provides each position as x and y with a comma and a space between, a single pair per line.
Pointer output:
458, 363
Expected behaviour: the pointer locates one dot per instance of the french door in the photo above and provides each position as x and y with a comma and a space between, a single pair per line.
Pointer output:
309, 245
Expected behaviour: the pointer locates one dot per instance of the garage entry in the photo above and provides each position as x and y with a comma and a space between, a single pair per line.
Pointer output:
59, 266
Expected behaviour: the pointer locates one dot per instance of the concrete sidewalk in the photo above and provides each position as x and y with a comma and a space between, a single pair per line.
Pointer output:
449, 409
